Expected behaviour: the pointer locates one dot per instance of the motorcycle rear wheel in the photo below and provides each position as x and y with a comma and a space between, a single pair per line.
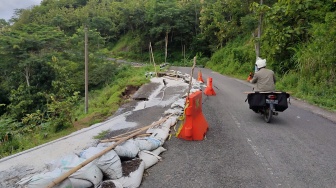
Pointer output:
267, 114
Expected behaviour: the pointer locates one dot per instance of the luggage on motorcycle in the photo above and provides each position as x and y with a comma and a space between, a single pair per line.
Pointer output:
282, 102
256, 100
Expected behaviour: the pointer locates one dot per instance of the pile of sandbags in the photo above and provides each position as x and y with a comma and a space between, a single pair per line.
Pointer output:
88, 176
111, 169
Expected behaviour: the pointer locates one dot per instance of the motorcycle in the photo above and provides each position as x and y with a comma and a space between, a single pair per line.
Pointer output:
268, 103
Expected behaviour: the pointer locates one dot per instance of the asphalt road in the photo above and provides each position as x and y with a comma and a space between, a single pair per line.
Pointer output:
297, 149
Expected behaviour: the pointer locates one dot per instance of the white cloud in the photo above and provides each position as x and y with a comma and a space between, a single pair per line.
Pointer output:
7, 6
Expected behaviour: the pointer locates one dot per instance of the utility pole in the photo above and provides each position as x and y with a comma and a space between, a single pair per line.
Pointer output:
259, 32
86, 71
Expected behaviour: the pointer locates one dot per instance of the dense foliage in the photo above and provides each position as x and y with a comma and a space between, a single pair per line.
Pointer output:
42, 51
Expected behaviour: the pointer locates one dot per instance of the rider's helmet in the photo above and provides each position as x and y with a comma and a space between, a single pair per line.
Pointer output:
261, 63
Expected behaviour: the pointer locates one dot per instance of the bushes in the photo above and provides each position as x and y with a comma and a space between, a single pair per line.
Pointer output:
236, 58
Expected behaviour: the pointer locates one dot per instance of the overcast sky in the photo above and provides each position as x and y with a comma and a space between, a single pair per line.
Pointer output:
7, 7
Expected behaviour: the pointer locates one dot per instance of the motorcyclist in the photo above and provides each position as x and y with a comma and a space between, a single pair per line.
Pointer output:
263, 78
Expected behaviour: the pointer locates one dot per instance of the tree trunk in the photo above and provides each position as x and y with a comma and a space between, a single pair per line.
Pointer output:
27, 75
166, 49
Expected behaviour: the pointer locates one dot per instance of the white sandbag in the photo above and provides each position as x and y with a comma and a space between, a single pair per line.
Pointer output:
197, 85
109, 163
159, 150
110, 183
105, 144
44, 179
194, 90
169, 123
80, 183
149, 158
133, 180
127, 149
162, 132
160, 135
89, 172
190, 92
153, 130
174, 111
89, 152
64, 161
147, 143
179, 103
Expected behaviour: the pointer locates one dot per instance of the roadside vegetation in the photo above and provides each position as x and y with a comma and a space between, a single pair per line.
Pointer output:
42, 55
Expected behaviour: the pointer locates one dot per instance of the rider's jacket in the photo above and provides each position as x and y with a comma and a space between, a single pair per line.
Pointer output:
264, 79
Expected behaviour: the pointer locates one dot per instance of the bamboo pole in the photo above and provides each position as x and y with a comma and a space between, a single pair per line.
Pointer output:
121, 135
75, 169
191, 75
119, 138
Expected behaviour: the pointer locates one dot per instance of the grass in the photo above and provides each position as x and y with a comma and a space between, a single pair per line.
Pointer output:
101, 135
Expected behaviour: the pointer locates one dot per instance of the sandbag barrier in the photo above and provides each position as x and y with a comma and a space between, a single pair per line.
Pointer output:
108, 169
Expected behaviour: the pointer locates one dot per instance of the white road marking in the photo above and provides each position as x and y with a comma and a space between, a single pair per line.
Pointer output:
261, 157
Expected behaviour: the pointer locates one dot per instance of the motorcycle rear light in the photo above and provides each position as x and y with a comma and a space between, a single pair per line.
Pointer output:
271, 96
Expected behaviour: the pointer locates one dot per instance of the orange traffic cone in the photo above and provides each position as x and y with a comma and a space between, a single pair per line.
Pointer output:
209, 90
200, 76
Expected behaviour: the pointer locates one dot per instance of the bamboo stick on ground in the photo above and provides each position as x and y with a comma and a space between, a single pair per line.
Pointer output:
143, 135
121, 135
75, 169
119, 138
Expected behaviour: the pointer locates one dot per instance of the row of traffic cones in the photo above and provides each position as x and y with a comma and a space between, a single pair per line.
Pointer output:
208, 90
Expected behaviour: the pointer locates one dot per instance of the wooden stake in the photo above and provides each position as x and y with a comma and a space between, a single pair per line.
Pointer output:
191, 75
151, 49
75, 169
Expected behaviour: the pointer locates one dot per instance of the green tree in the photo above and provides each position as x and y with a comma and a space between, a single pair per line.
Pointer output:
3, 24
24, 53
287, 24
220, 21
